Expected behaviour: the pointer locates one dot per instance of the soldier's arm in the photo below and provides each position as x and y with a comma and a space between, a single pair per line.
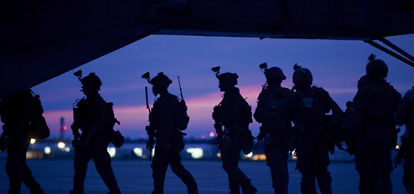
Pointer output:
259, 112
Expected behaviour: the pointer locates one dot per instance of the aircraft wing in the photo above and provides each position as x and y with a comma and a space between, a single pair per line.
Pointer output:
43, 39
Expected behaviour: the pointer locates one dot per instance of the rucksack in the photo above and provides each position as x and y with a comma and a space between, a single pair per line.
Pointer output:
182, 118
275, 111
115, 136
38, 126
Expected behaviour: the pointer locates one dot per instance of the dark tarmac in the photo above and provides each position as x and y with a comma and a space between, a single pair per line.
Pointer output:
134, 176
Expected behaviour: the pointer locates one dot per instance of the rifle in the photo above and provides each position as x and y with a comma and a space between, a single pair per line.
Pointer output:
150, 131
181, 91
75, 128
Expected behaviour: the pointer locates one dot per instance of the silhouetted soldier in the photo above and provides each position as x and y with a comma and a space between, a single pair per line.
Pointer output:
405, 116
314, 142
91, 117
16, 113
275, 111
376, 101
167, 118
234, 114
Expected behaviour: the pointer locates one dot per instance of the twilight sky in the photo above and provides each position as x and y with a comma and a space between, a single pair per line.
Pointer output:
335, 65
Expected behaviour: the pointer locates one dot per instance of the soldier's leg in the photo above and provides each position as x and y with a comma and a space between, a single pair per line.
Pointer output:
159, 168
16, 156
80, 164
408, 178
102, 162
307, 184
29, 180
182, 173
277, 162
321, 170
229, 165
384, 168
324, 181
305, 166
366, 182
365, 164
237, 178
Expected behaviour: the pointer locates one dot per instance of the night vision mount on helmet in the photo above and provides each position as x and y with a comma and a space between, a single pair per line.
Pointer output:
225, 78
91, 81
273, 73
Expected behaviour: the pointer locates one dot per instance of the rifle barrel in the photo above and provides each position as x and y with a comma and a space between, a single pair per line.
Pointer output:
181, 91
146, 98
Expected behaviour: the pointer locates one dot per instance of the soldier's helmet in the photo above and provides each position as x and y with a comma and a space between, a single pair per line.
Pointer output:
302, 77
228, 78
376, 68
274, 74
225, 79
161, 81
91, 82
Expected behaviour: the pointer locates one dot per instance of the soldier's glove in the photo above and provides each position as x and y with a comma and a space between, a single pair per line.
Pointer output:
150, 143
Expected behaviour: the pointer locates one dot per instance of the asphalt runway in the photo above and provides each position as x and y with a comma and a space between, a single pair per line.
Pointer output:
134, 176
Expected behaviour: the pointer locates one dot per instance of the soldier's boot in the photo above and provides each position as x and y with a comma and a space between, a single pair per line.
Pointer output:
234, 186
158, 176
14, 172
115, 192
234, 182
186, 177
76, 192
324, 182
103, 166
384, 185
366, 183
247, 187
29, 181
307, 184
280, 179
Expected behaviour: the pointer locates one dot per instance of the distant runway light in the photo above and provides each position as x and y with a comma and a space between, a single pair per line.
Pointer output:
196, 153
211, 134
397, 147
249, 155
137, 152
47, 150
61, 145
66, 149
32, 141
111, 151
203, 137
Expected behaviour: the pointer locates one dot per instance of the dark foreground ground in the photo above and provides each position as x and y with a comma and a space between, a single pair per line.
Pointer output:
134, 176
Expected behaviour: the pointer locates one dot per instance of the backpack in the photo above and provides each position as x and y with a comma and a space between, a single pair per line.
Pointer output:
246, 118
38, 127
276, 104
115, 136
182, 118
